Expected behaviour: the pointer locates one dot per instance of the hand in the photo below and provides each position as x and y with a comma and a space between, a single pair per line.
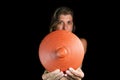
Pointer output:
72, 74
54, 75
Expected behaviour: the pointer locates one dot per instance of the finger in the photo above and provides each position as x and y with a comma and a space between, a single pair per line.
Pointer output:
77, 72
58, 76
64, 78
50, 74
71, 76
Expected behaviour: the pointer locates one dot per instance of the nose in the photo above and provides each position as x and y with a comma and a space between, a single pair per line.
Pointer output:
65, 26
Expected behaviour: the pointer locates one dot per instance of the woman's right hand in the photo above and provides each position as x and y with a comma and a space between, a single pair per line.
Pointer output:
54, 75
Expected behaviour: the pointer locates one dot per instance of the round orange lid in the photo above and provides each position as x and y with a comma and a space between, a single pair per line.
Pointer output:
60, 50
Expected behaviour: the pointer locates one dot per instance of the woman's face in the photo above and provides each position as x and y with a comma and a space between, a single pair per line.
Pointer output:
65, 23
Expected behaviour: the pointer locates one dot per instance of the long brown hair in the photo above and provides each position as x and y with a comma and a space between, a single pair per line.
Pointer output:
61, 10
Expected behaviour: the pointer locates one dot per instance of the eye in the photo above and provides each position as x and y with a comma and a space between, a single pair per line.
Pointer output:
70, 22
60, 22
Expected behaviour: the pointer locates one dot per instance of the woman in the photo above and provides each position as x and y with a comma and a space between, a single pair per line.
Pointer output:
63, 20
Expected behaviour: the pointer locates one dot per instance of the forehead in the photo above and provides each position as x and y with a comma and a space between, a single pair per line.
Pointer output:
67, 17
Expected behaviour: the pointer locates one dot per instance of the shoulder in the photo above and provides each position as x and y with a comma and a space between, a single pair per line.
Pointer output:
84, 42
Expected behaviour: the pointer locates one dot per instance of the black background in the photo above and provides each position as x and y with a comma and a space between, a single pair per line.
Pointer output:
29, 24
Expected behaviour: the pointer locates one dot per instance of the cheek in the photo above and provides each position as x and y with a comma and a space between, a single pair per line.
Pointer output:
70, 28
59, 27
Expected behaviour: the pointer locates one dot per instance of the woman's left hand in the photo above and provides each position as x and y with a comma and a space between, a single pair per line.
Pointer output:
72, 74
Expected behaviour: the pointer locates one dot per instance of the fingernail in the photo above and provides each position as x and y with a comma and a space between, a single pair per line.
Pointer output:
70, 68
67, 71
65, 75
58, 70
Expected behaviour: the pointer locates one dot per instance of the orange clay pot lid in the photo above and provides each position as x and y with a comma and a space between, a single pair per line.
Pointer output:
60, 50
